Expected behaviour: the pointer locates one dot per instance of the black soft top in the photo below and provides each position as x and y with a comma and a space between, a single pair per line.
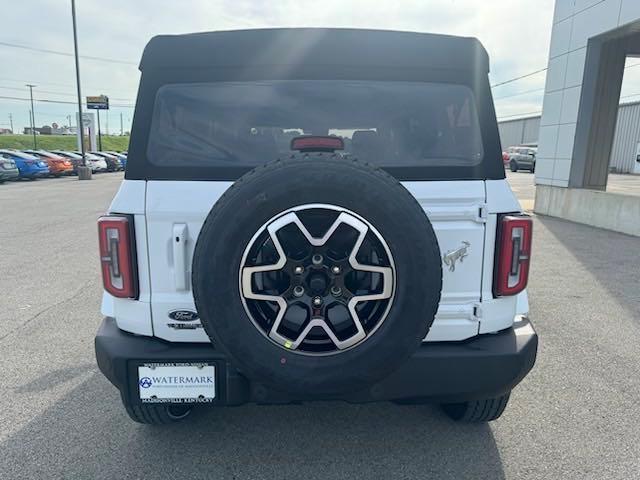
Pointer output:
312, 54
315, 46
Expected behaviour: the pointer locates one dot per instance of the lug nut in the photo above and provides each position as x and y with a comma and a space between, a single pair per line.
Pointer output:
336, 291
335, 270
317, 301
316, 259
299, 270
298, 291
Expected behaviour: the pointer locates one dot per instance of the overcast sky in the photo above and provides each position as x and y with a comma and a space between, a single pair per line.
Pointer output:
516, 34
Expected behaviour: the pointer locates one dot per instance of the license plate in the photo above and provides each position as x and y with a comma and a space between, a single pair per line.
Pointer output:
176, 382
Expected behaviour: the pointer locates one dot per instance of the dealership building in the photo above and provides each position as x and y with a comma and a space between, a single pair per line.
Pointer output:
590, 42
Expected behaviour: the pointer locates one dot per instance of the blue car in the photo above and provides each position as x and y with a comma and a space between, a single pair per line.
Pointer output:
29, 166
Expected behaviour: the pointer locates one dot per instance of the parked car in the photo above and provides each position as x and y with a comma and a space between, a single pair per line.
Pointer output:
121, 156
94, 162
506, 155
97, 163
29, 166
317, 275
523, 158
113, 162
8, 169
76, 160
58, 165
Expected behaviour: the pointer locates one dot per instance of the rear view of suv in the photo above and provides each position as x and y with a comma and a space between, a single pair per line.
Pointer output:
8, 168
314, 214
523, 158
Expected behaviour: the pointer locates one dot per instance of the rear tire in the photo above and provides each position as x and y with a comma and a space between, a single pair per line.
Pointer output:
513, 165
477, 411
157, 414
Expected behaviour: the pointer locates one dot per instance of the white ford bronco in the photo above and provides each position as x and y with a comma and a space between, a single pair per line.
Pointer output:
314, 214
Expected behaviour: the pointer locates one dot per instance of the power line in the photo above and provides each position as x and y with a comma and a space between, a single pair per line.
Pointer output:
62, 93
514, 94
62, 102
523, 114
21, 82
519, 78
530, 74
66, 54
630, 95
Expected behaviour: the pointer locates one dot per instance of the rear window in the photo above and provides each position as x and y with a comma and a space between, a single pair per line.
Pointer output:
245, 124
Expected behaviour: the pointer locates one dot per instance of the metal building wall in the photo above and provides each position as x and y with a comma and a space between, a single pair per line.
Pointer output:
519, 131
626, 138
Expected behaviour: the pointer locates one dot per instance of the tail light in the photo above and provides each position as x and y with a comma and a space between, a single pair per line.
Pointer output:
513, 254
117, 256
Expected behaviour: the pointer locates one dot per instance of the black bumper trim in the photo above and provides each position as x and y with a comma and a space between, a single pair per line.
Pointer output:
485, 366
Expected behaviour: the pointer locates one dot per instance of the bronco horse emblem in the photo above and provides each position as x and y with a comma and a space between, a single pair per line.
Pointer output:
452, 256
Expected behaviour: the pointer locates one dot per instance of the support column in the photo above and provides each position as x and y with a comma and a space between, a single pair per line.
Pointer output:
604, 69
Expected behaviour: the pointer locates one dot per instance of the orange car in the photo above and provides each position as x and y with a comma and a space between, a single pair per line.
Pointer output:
58, 165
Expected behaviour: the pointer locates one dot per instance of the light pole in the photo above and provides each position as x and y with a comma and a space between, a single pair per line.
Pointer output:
33, 117
84, 172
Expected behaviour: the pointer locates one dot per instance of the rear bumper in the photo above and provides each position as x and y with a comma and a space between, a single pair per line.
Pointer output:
61, 170
486, 366
9, 174
35, 174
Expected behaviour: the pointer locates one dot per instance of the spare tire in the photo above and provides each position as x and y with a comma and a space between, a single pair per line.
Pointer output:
317, 275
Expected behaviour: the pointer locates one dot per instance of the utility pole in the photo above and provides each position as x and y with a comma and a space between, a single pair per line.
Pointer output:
69, 120
121, 129
84, 172
11, 122
107, 122
99, 133
33, 117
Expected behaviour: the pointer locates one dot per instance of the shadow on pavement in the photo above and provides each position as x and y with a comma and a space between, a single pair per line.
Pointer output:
87, 435
55, 378
612, 258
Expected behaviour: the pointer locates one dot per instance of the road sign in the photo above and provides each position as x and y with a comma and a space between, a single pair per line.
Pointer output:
101, 102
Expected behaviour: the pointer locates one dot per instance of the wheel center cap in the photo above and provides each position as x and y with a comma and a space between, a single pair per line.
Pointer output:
317, 283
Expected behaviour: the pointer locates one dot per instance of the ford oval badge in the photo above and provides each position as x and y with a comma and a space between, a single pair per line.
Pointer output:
183, 315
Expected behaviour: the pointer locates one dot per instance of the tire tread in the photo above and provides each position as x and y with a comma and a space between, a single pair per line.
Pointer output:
477, 411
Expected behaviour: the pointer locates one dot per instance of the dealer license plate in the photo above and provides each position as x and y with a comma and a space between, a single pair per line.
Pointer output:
176, 382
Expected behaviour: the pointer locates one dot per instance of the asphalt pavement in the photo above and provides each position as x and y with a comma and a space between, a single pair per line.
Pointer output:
576, 416
523, 185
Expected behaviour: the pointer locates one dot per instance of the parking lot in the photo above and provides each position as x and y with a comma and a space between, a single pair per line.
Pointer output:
522, 184
575, 416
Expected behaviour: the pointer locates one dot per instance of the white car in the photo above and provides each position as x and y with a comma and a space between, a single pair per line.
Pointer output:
97, 163
329, 226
